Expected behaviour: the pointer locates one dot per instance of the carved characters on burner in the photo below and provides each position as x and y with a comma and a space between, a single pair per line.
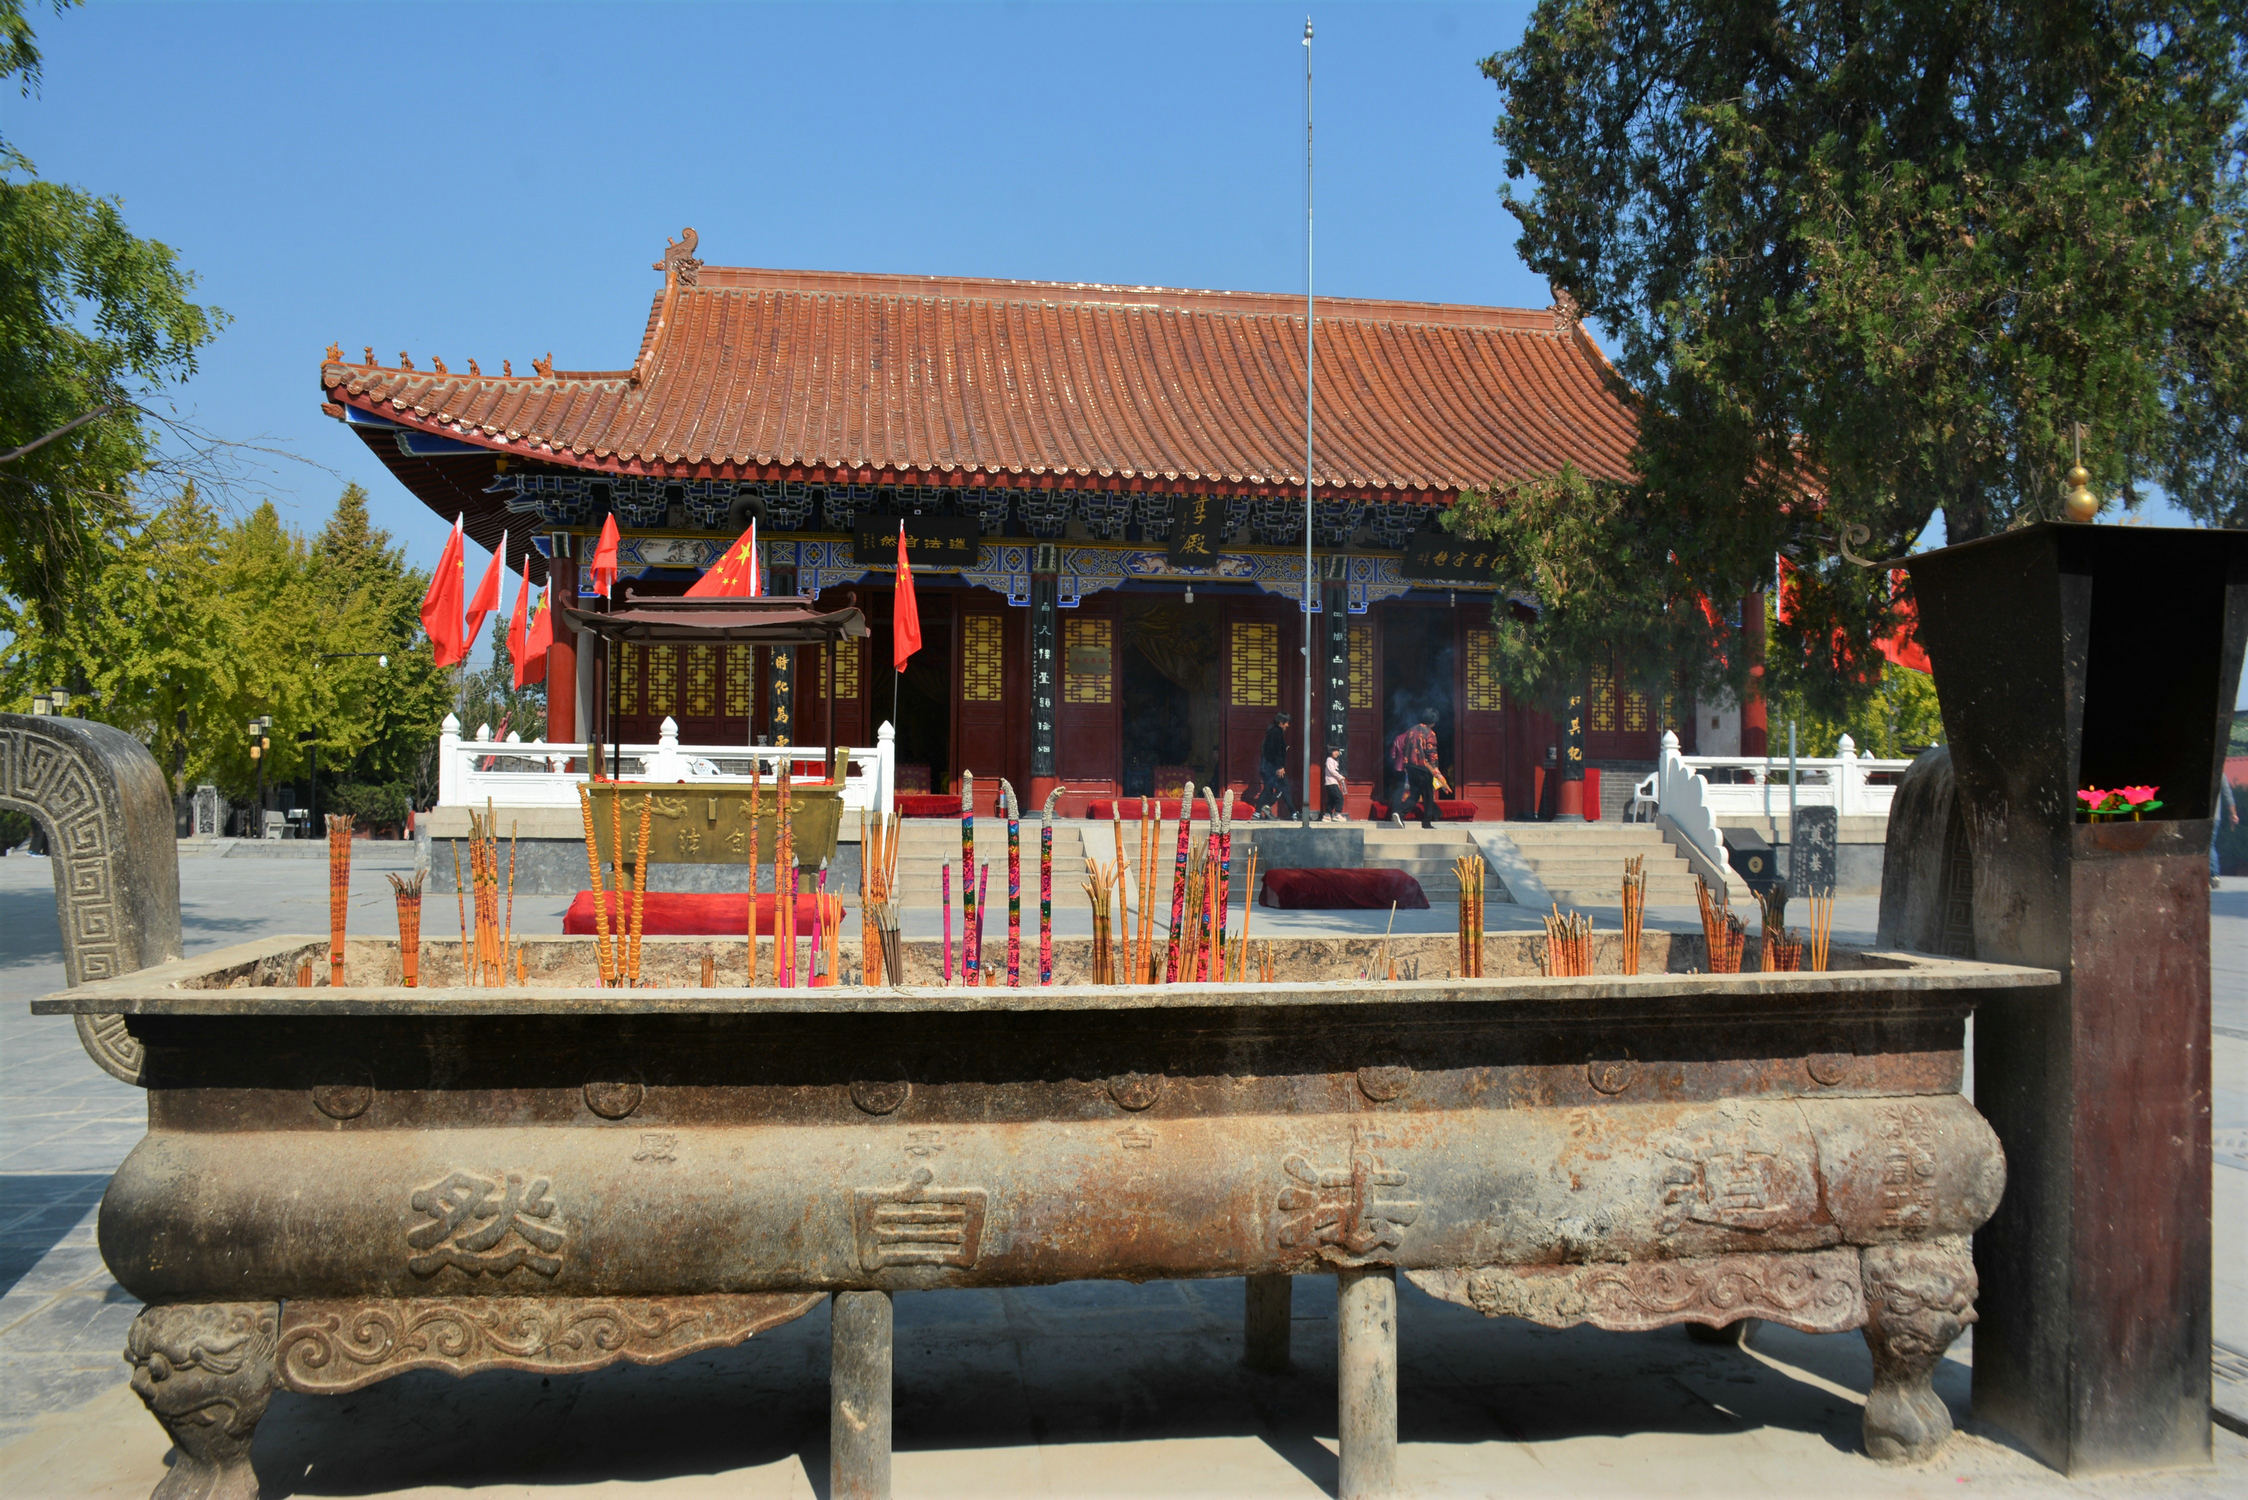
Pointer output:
486, 1227
914, 1224
1908, 1172
1335, 1210
1918, 1298
205, 1370
1747, 1177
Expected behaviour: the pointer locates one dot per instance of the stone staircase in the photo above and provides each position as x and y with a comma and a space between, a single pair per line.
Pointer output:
926, 846
1582, 864
1424, 854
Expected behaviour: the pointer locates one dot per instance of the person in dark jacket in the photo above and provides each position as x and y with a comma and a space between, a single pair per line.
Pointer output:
1420, 773
1272, 770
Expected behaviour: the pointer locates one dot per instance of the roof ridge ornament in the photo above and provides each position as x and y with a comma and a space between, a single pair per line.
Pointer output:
1567, 311
545, 366
679, 265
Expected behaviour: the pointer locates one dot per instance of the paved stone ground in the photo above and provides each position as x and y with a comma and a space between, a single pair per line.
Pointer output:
1093, 1389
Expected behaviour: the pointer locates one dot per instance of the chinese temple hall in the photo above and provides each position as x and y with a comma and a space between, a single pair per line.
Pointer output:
1102, 487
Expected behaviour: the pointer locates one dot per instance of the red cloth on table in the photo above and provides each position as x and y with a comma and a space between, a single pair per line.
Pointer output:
687, 914
1341, 890
1128, 808
934, 805
1450, 812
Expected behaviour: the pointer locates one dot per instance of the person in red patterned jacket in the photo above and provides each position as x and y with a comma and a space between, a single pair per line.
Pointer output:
1420, 773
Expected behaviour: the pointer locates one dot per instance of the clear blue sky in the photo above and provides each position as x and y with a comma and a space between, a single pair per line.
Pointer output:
495, 179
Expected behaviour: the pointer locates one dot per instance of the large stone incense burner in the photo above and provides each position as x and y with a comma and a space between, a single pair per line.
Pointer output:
339, 1184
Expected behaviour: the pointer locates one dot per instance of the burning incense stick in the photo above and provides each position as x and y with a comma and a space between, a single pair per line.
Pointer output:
1178, 886
593, 875
971, 956
1568, 943
1728, 939
1046, 888
1014, 884
409, 928
339, 890
1822, 925
1248, 904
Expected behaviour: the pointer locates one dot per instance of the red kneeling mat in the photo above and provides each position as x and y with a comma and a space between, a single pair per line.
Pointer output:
1449, 812
1128, 808
927, 805
686, 914
1342, 890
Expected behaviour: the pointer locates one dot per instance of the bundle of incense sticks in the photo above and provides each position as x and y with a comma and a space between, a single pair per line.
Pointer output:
1568, 943
596, 886
755, 817
1268, 967
1014, 883
409, 928
339, 890
639, 886
1221, 856
1046, 887
1771, 905
984, 976
1727, 940
1714, 911
971, 951
1635, 909
1470, 868
1248, 904
1151, 849
1783, 950
1101, 879
1380, 966
1178, 886
878, 884
1822, 924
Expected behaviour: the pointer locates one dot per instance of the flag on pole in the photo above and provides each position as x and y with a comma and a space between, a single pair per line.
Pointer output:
605, 559
735, 575
524, 646
486, 601
441, 606
541, 639
905, 613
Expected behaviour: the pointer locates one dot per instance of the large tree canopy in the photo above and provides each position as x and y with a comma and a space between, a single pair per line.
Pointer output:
1866, 263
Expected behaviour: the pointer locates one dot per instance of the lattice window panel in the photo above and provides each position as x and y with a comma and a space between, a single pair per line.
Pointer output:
741, 681
1603, 704
848, 655
702, 681
663, 681
984, 679
625, 663
1483, 694
1635, 706
1256, 665
1091, 637
1361, 664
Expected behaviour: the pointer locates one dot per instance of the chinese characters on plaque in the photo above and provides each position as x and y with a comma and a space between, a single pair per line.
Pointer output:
1434, 556
930, 541
1197, 524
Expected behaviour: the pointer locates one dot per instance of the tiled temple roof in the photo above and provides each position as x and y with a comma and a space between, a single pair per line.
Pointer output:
876, 379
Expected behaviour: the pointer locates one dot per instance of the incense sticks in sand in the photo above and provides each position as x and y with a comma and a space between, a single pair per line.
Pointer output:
1635, 909
1723, 936
409, 928
339, 890
1470, 870
1568, 943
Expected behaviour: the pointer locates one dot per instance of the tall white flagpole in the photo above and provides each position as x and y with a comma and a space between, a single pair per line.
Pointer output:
1304, 788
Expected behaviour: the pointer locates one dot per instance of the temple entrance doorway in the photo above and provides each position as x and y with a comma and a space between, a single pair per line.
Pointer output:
922, 694
1419, 674
1172, 722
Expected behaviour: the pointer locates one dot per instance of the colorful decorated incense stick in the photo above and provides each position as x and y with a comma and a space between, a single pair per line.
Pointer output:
784, 871
945, 872
1014, 884
753, 822
983, 912
593, 875
1046, 888
409, 928
1224, 856
1178, 886
339, 890
971, 955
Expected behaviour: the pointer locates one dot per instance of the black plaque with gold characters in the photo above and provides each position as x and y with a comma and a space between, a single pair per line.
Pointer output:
780, 694
940, 542
1438, 557
1197, 529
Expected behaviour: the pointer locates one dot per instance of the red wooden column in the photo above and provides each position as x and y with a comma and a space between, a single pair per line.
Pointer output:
562, 656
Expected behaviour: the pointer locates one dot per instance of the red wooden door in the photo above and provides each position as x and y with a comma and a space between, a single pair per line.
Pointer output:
1481, 718
1259, 644
988, 678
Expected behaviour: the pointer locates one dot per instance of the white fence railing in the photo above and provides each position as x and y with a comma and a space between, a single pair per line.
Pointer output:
1735, 786
516, 772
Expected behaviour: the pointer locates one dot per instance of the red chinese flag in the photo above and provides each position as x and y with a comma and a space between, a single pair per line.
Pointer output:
487, 598
605, 559
441, 606
523, 643
734, 575
541, 639
905, 613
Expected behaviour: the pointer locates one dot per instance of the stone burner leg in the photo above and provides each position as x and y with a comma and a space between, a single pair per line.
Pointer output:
1918, 1298
1366, 1321
1271, 1304
205, 1370
858, 1424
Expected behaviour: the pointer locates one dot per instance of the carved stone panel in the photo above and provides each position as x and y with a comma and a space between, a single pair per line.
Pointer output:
330, 1347
1817, 1291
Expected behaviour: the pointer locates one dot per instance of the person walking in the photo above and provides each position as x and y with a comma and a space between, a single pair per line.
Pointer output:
1331, 786
1420, 773
1272, 769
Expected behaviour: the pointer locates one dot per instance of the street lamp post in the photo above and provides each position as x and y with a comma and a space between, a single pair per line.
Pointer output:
260, 741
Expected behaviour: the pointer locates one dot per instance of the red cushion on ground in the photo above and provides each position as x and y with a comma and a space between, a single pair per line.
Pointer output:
1128, 808
1450, 812
923, 805
687, 914
1341, 890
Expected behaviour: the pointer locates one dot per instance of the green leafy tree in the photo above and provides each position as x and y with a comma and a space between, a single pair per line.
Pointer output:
1869, 263
94, 323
